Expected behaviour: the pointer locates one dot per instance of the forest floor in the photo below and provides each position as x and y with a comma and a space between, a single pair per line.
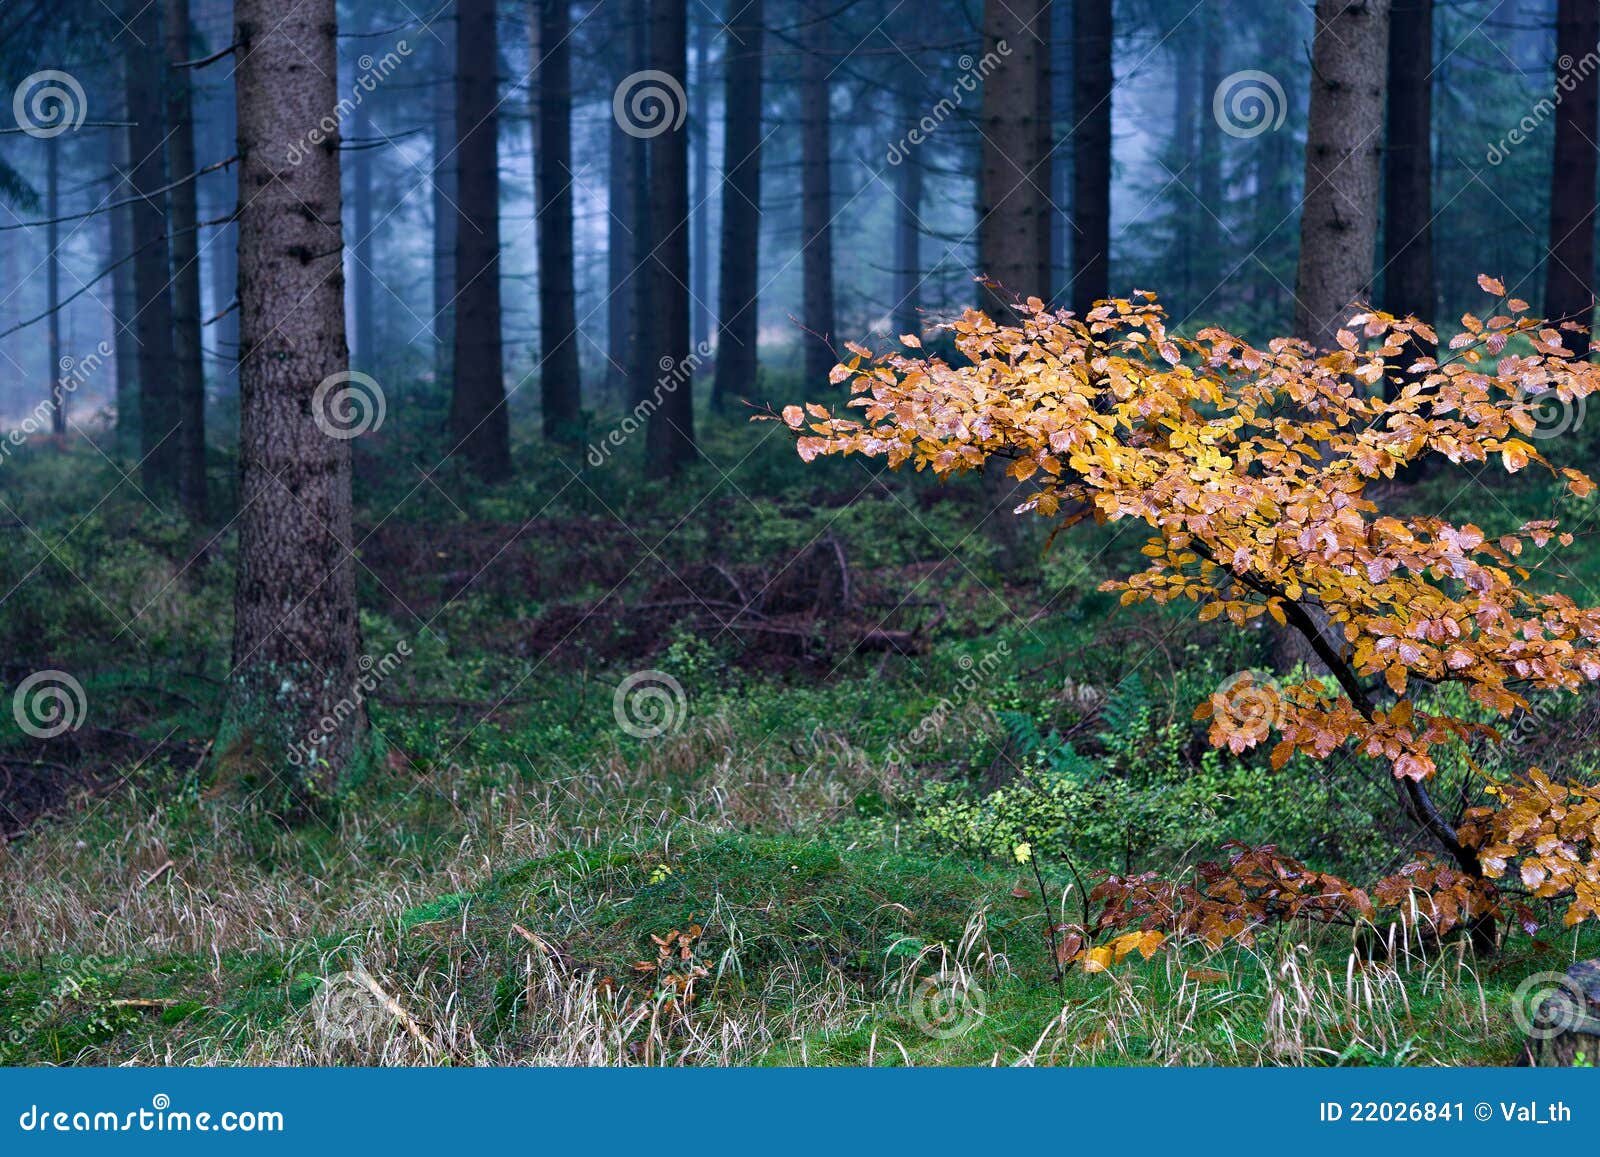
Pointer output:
725, 736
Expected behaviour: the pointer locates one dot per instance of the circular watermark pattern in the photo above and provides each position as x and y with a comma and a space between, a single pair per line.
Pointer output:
947, 1006
1554, 416
1247, 704
160, 1101
1548, 1004
348, 404
49, 103
649, 103
346, 1010
1249, 103
47, 703
649, 704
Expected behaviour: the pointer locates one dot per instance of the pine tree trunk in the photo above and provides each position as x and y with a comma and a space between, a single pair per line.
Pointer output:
622, 254
183, 218
480, 428
737, 311
444, 201
559, 374
700, 236
52, 283
295, 712
159, 413
642, 372
1013, 222
124, 302
1344, 143
669, 437
1408, 282
816, 195
1569, 270
1208, 231
1091, 152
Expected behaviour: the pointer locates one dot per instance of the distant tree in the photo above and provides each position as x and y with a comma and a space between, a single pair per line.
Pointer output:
1092, 83
642, 340
908, 208
183, 226
52, 281
669, 436
124, 295
444, 185
480, 428
1013, 181
1408, 280
738, 311
816, 190
623, 178
700, 187
160, 415
1569, 267
1344, 141
364, 349
296, 643
560, 381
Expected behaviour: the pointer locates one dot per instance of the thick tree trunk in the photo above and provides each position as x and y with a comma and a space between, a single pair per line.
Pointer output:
183, 218
816, 195
737, 311
560, 389
1569, 269
295, 702
364, 350
1344, 142
669, 438
444, 201
1013, 185
160, 416
1091, 152
1408, 283
52, 283
700, 236
124, 299
908, 216
480, 428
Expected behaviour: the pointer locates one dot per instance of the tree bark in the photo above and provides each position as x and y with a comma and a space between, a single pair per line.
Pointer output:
1569, 269
1408, 281
480, 428
183, 217
669, 437
560, 382
444, 201
296, 637
1013, 186
816, 195
737, 309
1344, 142
159, 414
1091, 152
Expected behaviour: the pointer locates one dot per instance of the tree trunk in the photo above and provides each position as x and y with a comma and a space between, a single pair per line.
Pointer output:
159, 413
700, 237
363, 353
908, 215
1563, 1022
560, 383
1091, 152
222, 245
480, 428
816, 195
1013, 189
444, 201
1569, 269
622, 254
52, 283
183, 218
1408, 284
124, 299
737, 311
295, 698
1208, 232
642, 371
669, 438
1344, 141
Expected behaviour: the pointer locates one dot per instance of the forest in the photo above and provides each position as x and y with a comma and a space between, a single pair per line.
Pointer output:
799, 533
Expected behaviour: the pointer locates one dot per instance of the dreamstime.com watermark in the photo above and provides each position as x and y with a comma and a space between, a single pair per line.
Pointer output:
675, 374
649, 103
1249, 103
974, 675
373, 73
159, 1117
74, 374
649, 704
973, 74
49, 103
49, 703
1569, 74
372, 675
1549, 1004
348, 404
68, 987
